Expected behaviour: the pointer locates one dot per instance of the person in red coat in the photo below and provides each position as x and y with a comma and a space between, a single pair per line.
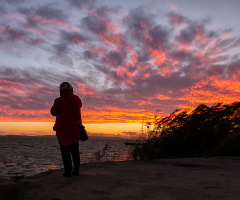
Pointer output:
66, 127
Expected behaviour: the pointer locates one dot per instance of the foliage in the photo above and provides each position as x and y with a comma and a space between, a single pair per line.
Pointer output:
102, 155
206, 131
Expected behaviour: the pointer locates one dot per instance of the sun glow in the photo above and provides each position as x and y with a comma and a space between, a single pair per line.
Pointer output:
124, 130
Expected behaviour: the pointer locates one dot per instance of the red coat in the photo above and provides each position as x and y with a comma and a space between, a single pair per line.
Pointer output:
66, 126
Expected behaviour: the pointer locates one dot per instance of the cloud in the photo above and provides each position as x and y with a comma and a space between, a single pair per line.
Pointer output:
95, 24
50, 12
13, 34
106, 136
117, 60
73, 37
14, 1
130, 133
176, 19
138, 20
88, 54
43, 15
193, 32
26, 90
61, 49
83, 4
17, 35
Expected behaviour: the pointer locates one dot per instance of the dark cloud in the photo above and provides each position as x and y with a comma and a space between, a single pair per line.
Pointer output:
110, 74
176, 19
14, 1
61, 54
90, 54
98, 21
186, 37
61, 49
73, 37
143, 56
189, 34
83, 3
41, 17
181, 55
233, 70
115, 58
106, 11
14, 34
157, 84
217, 70
159, 37
138, 21
131, 133
95, 24
49, 12
26, 11
32, 41
3, 9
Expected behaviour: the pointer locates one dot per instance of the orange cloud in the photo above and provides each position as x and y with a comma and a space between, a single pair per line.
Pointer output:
158, 56
115, 115
17, 115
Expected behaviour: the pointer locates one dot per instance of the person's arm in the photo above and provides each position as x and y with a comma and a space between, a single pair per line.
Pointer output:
79, 113
54, 109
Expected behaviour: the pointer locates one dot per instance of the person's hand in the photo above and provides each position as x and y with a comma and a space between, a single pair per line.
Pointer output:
54, 127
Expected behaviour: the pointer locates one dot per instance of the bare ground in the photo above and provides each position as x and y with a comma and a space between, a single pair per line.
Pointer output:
164, 179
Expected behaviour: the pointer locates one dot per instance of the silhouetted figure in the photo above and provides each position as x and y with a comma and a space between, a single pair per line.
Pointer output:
66, 127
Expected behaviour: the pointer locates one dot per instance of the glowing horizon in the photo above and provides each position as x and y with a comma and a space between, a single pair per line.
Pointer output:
94, 130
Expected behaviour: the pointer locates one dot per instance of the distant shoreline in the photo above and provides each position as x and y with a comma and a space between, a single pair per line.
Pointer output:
54, 136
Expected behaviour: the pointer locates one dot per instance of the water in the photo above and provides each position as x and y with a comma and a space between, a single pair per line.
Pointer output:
27, 155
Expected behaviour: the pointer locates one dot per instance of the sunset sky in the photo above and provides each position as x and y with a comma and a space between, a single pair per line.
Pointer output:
127, 60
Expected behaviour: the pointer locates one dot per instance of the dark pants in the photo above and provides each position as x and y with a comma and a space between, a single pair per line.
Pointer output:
67, 151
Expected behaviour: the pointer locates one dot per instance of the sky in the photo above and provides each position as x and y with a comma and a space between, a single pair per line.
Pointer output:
128, 61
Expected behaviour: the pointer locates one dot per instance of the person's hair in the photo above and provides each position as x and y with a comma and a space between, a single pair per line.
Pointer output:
64, 88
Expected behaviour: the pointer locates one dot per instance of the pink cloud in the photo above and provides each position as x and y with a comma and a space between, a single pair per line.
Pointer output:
116, 65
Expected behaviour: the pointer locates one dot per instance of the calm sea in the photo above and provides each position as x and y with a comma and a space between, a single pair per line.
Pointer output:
26, 155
